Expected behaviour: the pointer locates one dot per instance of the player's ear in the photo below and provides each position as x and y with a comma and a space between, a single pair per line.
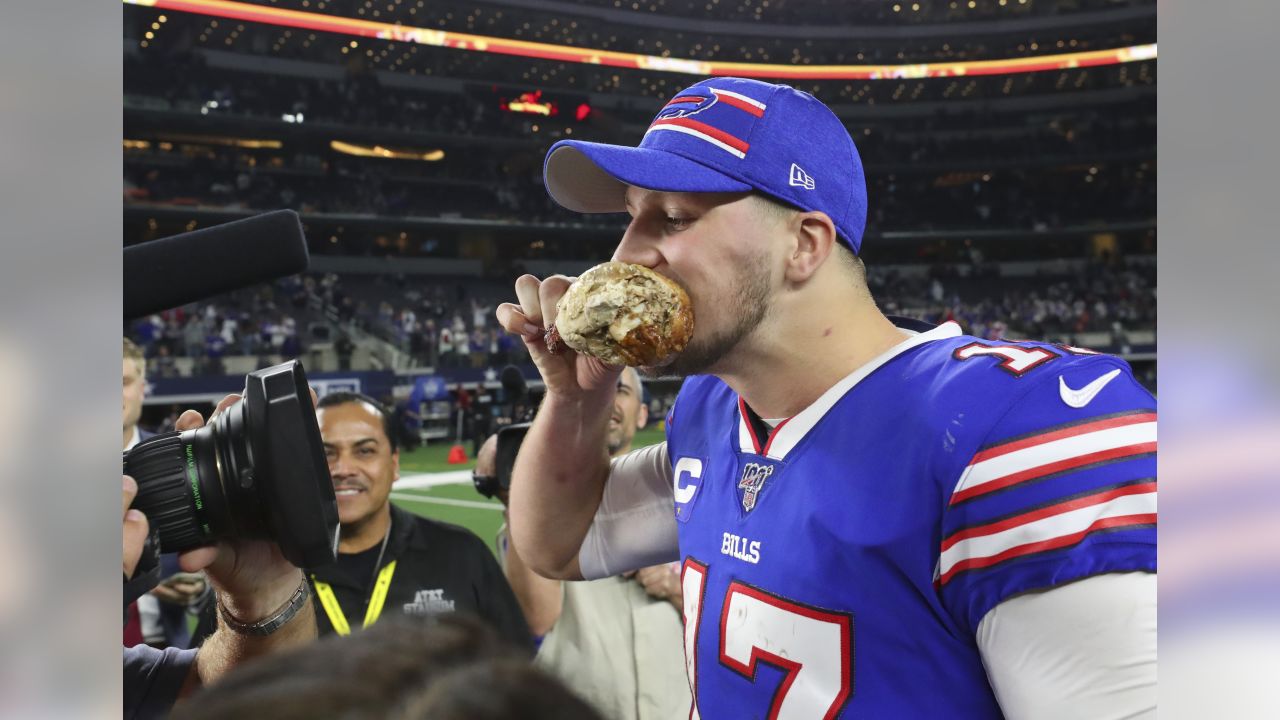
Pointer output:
642, 415
813, 237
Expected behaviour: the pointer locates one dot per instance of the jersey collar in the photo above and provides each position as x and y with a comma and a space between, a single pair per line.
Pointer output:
791, 431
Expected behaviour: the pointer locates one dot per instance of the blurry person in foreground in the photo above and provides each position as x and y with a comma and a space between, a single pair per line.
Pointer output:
446, 667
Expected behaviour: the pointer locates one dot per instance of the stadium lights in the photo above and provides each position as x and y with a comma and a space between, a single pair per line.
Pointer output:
248, 143
479, 43
378, 151
530, 103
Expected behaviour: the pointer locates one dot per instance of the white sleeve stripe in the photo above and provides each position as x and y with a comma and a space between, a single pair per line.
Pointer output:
1019, 461
1033, 536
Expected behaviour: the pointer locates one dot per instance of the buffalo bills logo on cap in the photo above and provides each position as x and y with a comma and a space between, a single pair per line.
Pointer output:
724, 118
686, 105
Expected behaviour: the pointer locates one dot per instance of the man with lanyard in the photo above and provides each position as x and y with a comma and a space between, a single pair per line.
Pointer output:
389, 560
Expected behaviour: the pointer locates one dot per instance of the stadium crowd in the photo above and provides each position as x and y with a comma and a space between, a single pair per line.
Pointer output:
358, 97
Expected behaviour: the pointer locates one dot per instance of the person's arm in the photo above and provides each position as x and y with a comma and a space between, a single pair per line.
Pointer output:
498, 603
541, 599
563, 463
227, 648
558, 479
1082, 650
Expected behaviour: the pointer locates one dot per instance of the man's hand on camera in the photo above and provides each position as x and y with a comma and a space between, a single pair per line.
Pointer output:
135, 528
252, 577
253, 580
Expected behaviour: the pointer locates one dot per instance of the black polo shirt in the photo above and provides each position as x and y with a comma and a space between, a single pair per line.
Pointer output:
439, 568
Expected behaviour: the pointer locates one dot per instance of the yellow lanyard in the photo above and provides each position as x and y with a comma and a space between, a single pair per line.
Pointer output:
376, 600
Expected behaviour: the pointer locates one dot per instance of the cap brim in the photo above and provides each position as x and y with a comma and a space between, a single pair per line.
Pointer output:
592, 177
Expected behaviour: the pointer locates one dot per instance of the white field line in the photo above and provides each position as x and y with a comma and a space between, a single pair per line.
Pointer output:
428, 480
413, 497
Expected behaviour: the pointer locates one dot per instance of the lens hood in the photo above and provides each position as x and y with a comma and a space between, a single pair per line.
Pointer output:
289, 465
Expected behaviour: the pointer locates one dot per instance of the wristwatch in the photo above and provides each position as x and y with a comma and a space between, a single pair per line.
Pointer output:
273, 622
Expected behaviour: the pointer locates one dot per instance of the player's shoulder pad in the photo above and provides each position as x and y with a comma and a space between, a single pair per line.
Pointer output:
1005, 366
986, 390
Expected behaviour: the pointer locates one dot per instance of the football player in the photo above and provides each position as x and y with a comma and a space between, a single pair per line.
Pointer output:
876, 518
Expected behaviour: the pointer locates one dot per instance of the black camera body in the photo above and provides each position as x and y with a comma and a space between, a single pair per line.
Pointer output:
256, 471
509, 440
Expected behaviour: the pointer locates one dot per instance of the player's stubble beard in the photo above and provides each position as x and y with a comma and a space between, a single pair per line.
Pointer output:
752, 301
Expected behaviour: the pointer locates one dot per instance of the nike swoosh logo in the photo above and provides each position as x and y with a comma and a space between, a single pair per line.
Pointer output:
1085, 395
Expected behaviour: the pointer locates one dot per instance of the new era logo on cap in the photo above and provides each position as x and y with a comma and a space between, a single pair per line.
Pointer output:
800, 178
725, 126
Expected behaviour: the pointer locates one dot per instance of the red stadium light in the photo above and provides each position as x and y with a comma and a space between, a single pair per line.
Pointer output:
530, 103
583, 112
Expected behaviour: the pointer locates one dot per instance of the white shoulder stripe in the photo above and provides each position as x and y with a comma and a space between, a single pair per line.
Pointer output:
1043, 531
1037, 456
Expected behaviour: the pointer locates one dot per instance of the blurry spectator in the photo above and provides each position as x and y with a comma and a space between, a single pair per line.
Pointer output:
193, 337
157, 623
479, 347
480, 314
164, 364
461, 348
496, 357
215, 348
430, 342
446, 347
344, 349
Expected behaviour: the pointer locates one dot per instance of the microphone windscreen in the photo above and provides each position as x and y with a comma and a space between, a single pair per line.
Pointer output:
513, 383
181, 269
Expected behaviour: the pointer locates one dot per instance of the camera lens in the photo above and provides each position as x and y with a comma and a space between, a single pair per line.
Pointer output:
257, 471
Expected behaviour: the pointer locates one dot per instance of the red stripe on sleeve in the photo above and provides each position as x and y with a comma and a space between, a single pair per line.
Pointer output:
1050, 510
1050, 436
1051, 468
1044, 545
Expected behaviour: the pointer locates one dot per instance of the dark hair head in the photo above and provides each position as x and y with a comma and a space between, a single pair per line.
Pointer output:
499, 690
404, 667
344, 397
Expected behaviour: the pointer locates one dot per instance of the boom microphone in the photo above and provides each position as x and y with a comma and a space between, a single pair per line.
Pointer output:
192, 266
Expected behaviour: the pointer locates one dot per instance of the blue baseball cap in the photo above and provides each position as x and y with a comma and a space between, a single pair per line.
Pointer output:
724, 135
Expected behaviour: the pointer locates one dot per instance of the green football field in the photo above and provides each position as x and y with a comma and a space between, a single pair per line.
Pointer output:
459, 503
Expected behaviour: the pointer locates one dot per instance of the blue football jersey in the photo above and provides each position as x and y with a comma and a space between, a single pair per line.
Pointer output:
838, 565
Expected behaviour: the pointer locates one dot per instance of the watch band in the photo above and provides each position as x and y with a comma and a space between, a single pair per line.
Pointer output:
273, 622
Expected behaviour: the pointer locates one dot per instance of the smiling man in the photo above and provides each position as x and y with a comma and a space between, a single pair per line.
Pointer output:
390, 560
